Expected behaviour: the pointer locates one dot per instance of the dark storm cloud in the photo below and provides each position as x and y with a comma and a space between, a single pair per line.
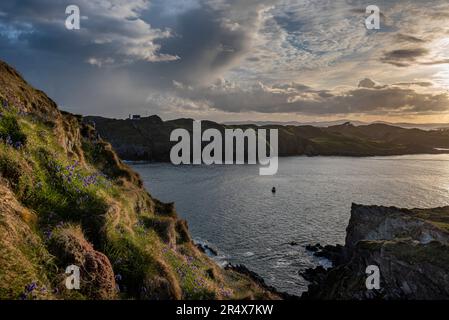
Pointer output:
106, 29
404, 57
408, 38
408, 57
197, 45
117, 47
202, 39
368, 83
205, 44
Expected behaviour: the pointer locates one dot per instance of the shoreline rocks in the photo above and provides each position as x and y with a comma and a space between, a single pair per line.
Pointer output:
242, 269
204, 248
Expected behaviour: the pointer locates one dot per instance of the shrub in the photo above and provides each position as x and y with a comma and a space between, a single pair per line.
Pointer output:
10, 131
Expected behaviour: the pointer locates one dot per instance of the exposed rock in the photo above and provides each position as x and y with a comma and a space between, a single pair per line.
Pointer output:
332, 253
386, 223
314, 275
410, 248
314, 248
206, 249
242, 269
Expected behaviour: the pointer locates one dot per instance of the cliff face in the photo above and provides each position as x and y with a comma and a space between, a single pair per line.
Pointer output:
149, 138
410, 247
389, 223
66, 198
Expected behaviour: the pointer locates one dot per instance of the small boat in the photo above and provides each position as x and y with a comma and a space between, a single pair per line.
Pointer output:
273, 190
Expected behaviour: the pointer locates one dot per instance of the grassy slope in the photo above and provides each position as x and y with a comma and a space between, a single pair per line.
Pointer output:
66, 198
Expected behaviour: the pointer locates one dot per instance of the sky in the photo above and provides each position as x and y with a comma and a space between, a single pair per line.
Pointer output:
235, 60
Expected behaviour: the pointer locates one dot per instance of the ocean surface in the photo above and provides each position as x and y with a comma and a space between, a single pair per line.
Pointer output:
232, 208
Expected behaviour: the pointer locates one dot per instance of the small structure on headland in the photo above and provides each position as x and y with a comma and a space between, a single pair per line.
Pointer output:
135, 117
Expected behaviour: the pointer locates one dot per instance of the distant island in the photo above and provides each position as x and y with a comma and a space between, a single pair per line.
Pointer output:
322, 124
148, 138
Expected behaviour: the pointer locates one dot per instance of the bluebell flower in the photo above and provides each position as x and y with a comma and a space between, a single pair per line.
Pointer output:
30, 287
8, 140
48, 234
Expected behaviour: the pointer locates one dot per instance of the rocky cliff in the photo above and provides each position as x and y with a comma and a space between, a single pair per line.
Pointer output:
67, 199
410, 248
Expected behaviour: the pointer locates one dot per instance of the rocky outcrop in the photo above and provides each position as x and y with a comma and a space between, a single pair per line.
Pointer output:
410, 248
388, 223
242, 269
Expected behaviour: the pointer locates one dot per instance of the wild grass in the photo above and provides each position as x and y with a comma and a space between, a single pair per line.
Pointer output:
149, 248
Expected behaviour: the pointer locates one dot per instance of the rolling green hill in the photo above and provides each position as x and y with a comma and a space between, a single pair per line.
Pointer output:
149, 138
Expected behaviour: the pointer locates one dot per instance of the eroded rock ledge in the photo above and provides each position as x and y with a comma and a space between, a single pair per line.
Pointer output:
410, 247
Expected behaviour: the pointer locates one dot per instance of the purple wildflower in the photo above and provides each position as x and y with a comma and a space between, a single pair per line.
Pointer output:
48, 234
30, 287
8, 140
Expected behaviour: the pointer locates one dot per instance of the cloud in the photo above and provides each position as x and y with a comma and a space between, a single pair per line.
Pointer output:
418, 83
108, 28
207, 43
369, 98
408, 57
368, 83
100, 62
231, 56
404, 57
408, 38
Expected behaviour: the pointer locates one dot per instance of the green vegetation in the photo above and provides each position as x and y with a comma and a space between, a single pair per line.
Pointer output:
10, 131
437, 216
149, 138
66, 198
